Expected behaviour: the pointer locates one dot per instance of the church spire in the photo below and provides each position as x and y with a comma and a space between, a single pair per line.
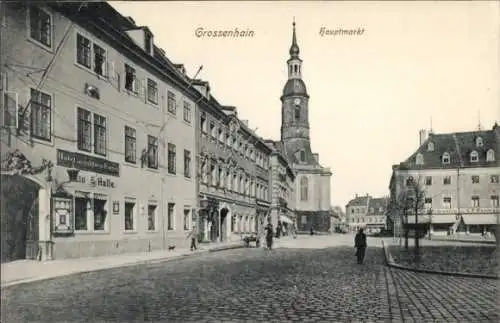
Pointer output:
294, 49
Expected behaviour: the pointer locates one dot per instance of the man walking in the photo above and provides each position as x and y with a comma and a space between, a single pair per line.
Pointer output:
360, 245
193, 234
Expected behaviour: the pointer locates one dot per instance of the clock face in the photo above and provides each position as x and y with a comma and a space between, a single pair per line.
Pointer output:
296, 101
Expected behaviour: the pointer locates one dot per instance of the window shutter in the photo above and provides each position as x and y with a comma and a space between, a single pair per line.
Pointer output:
10, 111
145, 89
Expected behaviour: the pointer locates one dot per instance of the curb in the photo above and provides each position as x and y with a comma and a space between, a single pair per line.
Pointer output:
123, 265
465, 241
226, 248
389, 261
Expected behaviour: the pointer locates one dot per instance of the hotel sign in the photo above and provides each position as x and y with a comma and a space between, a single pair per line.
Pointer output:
87, 163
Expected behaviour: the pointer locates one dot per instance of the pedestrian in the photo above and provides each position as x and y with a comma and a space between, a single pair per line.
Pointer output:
311, 231
360, 245
193, 234
269, 235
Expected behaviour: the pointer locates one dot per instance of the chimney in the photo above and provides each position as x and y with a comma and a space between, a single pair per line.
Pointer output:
356, 195
245, 122
316, 157
423, 136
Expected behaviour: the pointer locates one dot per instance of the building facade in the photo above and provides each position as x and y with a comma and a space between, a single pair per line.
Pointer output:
367, 213
91, 114
458, 175
283, 189
233, 174
312, 179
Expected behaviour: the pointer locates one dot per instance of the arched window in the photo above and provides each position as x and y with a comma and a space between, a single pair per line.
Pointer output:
474, 156
479, 142
295, 69
419, 159
446, 158
297, 113
490, 155
304, 189
302, 156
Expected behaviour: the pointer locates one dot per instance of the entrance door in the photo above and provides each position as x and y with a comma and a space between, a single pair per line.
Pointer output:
19, 218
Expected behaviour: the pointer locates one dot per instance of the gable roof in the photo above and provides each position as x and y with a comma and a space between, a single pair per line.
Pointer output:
459, 146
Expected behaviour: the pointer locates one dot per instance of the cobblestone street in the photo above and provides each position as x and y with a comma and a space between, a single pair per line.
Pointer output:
286, 284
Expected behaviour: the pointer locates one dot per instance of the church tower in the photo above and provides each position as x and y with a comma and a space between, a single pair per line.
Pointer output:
295, 110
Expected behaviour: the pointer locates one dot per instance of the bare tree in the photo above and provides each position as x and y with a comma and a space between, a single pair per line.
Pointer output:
410, 201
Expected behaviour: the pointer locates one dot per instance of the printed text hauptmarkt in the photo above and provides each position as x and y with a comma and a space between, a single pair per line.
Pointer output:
323, 31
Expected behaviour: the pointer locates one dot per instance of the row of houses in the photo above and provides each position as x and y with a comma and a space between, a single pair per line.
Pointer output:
119, 150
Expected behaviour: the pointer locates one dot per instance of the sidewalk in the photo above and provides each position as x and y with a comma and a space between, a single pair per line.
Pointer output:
25, 271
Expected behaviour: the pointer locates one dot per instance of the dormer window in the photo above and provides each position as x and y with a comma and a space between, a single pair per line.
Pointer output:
430, 146
419, 159
490, 155
148, 42
445, 159
479, 142
474, 157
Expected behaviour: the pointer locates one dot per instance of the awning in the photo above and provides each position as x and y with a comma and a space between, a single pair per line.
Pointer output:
480, 219
435, 218
284, 218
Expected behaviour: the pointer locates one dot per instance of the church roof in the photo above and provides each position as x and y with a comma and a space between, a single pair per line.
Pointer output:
295, 87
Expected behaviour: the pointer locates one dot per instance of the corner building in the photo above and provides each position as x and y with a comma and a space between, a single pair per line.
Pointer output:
312, 179
92, 163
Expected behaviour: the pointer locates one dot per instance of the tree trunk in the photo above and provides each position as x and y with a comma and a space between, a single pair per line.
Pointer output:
406, 239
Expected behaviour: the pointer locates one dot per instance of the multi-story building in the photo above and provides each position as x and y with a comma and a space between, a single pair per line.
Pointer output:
89, 96
233, 173
367, 212
283, 189
313, 180
458, 175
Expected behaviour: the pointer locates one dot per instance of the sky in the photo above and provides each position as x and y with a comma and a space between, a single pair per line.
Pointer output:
414, 65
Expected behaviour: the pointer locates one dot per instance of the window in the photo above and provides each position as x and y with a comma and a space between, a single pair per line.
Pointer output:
99, 60
494, 179
447, 202
83, 51
475, 201
84, 129
494, 201
91, 56
304, 189
302, 156
187, 163
430, 146
474, 157
419, 159
171, 106
297, 113
479, 142
475, 179
212, 129
152, 91
186, 219
409, 181
490, 155
428, 180
203, 122
187, 112
152, 217
304, 219
152, 152
171, 158
221, 134
130, 145
447, 180
428, 203
446, 158
41, 115
99, 134
90, 209
129, 215
170, 216
40, 26
148, 42
130, 79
